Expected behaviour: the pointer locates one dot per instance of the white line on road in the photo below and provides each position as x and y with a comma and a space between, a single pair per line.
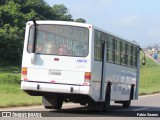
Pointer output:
31, 107
20, 108
141, 109
143, 96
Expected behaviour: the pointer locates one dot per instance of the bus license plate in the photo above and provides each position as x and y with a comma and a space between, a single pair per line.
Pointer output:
55, 72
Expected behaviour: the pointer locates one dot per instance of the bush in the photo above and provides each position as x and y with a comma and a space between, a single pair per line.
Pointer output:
9, 78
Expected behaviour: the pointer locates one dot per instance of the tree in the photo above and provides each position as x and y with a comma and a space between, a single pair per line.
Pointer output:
81, 20
61, 13
13, 16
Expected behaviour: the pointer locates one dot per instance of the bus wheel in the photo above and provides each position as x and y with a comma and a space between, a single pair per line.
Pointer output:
58, 105
48, 107
83, 103
127, 104
106, 106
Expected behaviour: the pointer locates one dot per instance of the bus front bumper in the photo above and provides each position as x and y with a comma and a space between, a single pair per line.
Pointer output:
55, 88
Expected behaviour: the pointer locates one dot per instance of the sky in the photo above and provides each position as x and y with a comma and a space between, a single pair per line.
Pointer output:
137, 20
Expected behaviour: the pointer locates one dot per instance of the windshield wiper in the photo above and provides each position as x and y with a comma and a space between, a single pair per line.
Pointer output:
35, 36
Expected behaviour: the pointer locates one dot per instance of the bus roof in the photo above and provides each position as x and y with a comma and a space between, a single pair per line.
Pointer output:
61, 23
116, 36
83, 25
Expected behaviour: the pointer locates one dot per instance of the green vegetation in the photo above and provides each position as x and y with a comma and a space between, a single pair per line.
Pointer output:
13, 96
13, 16
8, 78
149, 78
10, 91
10, 75
8, 69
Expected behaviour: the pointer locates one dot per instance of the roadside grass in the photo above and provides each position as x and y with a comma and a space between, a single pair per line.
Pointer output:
10, 69
10, 91
12, 96
149, 78
10, 78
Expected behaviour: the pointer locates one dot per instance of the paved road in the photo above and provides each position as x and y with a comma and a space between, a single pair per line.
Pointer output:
156, 60
145, 104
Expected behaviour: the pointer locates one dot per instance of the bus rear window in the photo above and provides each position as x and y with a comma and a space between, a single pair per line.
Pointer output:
60, 40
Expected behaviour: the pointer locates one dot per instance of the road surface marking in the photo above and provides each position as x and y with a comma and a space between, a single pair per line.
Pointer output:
144, 96
21, 108
141, 109
32, 107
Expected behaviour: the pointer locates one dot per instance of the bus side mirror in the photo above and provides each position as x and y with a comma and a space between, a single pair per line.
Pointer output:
143, 60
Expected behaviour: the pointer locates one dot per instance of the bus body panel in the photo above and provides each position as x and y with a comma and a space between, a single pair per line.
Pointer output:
54, 88
121, 81
121, 78
96, 80
46, 69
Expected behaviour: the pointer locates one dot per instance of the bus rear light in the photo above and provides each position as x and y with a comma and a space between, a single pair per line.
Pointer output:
25, 79
85, 84
24, 71
87, 76
56, 59
53, 81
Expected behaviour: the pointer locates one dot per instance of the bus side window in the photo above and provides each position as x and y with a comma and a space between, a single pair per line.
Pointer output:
129, 55
98, 45
111, 49
123, 53
134, 56
117, 53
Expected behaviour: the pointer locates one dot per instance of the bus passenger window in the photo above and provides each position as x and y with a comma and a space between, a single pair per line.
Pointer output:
134, 54
123, 53
117, 54
111, 49
98, 45
129, 55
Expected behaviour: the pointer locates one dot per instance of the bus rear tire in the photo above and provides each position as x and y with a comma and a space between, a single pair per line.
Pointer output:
127, 104
83, 103
58, 105
48, 107
106, 106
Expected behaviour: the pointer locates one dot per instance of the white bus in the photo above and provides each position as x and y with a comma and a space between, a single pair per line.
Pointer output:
80, 63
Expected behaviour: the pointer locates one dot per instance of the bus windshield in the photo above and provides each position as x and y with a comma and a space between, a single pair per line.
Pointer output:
59, 40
